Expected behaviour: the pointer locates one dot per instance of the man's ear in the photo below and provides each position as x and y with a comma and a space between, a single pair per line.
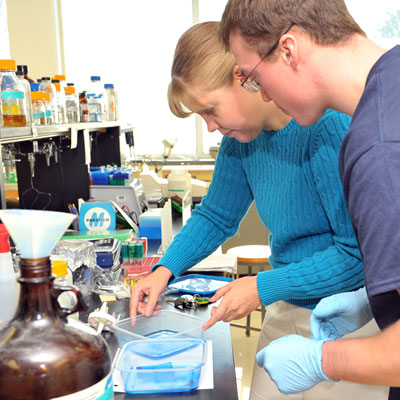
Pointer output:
237, 75
288, 47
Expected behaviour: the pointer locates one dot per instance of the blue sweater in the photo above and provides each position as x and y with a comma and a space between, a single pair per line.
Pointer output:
292, 175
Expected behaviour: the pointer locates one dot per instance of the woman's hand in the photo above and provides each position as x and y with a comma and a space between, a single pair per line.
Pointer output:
240, 298
148, 289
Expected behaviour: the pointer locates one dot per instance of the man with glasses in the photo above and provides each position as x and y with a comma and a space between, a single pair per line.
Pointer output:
309, 56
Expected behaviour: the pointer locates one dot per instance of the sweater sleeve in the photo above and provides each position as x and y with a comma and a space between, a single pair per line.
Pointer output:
217, 217
338, 268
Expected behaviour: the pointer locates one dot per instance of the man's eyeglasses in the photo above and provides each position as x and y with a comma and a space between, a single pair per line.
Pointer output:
249, 84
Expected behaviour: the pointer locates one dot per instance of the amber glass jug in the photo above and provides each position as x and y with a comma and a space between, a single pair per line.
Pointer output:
43, 356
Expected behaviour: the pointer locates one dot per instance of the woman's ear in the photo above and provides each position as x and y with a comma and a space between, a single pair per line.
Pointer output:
237, 75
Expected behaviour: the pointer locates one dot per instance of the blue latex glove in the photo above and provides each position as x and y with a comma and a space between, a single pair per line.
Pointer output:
293, 363
340, 314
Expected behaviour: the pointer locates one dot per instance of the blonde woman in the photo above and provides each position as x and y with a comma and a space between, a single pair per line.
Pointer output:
290, 172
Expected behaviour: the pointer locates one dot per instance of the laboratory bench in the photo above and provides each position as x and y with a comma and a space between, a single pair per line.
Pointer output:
219, 334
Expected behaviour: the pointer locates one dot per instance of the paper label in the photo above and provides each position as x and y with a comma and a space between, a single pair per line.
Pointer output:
12, 94
102, 390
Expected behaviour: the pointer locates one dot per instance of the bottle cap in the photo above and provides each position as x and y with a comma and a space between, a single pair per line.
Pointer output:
55, 81
70, 84
59, 268
7, 64
60, 77
34, 87
4, 243
69, 90
45, 78
19, 73
95, 78
108, 86
37, 95
20, 68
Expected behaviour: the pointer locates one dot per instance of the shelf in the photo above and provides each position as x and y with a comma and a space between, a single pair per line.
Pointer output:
19, 134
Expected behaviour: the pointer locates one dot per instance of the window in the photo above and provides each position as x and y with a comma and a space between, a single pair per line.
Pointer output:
380, 20
131, 44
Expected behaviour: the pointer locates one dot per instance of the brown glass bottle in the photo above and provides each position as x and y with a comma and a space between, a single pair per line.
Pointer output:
41, 355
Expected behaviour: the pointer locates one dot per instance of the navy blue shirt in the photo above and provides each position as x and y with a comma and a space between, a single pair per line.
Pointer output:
369, 166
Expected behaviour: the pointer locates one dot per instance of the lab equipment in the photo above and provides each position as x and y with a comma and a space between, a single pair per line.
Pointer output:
83, 107
166, 324
13, 101
153, 366
111, 98
71, 105
38, 109
340, 314
24, 69
41, 355
27, 88
97, 100
204, 285
47, 87
60, 100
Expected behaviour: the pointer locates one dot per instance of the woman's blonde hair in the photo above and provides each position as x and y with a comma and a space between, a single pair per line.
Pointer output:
200, 60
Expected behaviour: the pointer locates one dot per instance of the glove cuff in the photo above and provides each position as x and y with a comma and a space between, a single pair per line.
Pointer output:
319, 371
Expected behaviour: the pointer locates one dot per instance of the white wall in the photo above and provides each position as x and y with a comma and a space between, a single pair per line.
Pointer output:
33, 36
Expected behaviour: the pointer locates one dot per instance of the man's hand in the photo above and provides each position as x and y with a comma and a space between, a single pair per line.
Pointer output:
149, 288
240, 298
342, 313
293, 362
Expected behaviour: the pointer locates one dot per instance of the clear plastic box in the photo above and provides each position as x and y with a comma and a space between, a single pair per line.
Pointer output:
162, 365
166, 325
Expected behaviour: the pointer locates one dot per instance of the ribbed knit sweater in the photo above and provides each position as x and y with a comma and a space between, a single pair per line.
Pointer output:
292, 174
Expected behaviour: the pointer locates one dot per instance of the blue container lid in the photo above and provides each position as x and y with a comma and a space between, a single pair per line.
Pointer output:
108, 86
34, 87
95, 78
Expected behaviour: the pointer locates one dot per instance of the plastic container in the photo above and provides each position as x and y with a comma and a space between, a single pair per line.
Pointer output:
13, 100
8, 279
167, 325
179, 182
153, 366
111, 101
98, 96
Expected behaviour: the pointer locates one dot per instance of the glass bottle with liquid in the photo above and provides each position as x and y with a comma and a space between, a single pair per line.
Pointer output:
48, 87
43, 355
38, 109
60, 100
49, 115
27, 87
83, 107
71, 105
13, 100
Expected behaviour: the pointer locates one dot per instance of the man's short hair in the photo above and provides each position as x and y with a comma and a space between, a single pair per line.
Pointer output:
261, 22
